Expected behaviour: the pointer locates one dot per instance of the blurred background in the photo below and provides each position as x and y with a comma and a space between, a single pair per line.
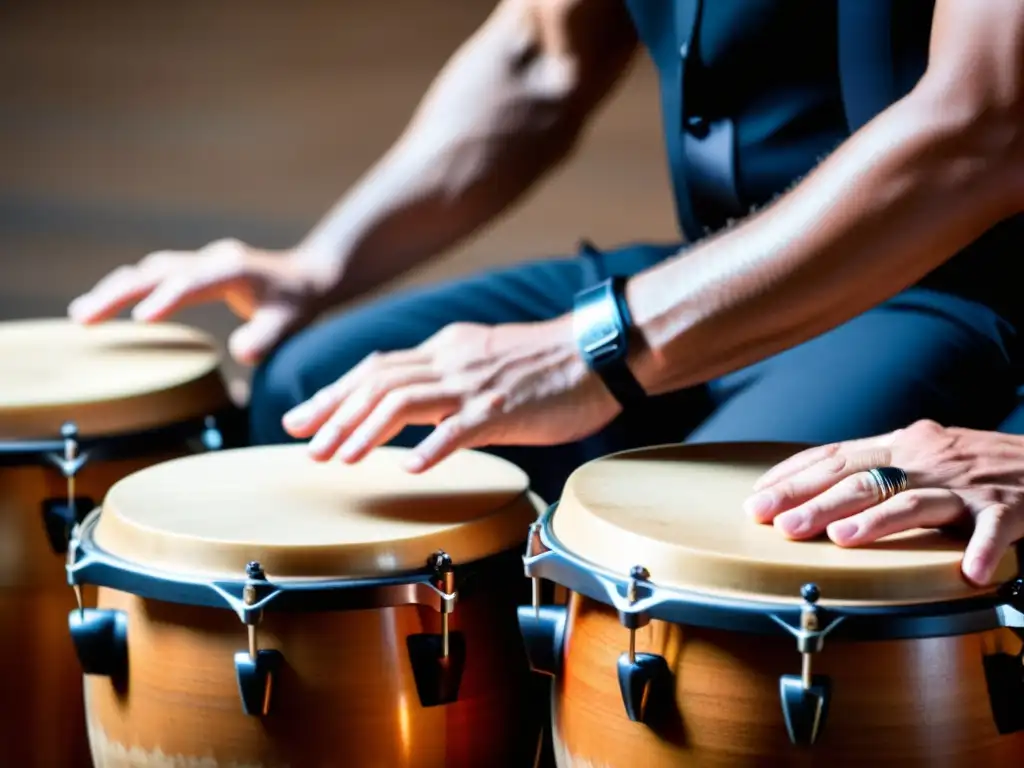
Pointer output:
127, 127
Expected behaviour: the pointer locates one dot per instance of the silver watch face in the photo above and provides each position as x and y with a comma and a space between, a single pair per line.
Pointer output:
596, 330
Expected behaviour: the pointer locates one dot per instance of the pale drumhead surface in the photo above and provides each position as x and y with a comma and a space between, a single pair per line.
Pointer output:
114, 377
677, 511
212, 513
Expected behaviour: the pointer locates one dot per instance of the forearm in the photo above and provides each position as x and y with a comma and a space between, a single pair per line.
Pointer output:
505, 110
899, 198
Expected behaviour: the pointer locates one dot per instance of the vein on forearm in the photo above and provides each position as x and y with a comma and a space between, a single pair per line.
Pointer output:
898, 199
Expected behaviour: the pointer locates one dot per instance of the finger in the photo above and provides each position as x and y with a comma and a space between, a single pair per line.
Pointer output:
360, 405
420, 404
996, 529
804, 459
848, 497
177, 293
467, 428
807, 483
114, 293
306, 418
924, 508
269, 324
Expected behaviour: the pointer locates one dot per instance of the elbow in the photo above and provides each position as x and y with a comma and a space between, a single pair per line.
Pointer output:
978, 138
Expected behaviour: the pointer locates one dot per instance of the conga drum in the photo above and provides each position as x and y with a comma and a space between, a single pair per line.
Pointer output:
697, 637
79, 409
258, 608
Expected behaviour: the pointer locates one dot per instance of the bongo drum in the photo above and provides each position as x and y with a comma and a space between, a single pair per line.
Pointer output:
79, 409
695, 636
258, 608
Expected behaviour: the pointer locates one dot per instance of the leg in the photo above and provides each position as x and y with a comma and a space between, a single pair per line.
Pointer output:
531, 292
921, 355
1013, 424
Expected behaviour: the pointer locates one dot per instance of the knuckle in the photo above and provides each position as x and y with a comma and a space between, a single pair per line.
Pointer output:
835, 464
227, 251
926, 426
909, 503
122, 273
862, 484
396, 402
155, 259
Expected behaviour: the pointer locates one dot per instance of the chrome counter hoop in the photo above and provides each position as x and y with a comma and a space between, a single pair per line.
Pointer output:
437, 658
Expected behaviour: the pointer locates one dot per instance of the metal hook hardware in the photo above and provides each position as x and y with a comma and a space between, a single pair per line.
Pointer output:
438, 660
255, 668
641, 675
805, 697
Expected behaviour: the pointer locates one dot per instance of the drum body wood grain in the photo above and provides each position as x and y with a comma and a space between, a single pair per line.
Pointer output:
909, 664
346, 697
348, 691
43, 721
896, 703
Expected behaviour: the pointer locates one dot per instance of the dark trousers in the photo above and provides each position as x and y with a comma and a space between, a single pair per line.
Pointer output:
923, 354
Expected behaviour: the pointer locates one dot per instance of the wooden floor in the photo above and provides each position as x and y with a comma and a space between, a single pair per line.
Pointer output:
131, 126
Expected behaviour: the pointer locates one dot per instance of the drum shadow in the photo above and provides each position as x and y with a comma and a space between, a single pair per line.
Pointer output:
921, 540
664, 717
449, 507
157, 345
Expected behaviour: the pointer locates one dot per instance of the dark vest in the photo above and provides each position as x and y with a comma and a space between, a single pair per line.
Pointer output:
756, 92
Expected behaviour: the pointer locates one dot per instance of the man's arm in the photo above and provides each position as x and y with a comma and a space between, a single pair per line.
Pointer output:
904, 194
507, 108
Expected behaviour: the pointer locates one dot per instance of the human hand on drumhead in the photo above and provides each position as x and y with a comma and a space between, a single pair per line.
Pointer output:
514, 384
953, 477
275, 292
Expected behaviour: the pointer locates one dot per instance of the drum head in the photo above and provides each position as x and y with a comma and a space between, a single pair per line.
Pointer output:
115, 377
210, 514
677, 511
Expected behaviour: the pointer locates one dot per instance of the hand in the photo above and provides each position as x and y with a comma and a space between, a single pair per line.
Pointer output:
955, 477
274, 292
521, 384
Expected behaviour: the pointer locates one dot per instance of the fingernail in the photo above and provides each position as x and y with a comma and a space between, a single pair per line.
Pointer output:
78, 309
414, 462
973, 569
297, 415
141, 312
321, 441
759, 505
843, 531
349, 449
791, 523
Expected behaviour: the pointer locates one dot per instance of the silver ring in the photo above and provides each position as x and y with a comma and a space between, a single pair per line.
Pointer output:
890, 481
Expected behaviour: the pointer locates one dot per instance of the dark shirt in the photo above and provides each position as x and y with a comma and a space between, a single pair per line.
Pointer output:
753, 98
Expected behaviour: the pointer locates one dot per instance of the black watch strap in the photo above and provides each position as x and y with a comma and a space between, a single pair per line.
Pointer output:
601, 324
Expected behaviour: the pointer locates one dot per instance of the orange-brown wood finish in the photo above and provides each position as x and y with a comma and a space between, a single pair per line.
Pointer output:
895, 703
43, 720
345, 697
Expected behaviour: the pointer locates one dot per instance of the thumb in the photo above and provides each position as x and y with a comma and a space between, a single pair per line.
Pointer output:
267, 327
996, 528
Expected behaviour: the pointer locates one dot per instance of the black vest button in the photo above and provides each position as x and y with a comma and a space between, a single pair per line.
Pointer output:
698, 127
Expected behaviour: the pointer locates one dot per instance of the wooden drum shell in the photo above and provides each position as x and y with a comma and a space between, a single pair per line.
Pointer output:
111, 381
903, 703
346, 694
43, 722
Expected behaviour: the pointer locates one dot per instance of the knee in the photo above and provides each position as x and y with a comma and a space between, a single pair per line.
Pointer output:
292, 374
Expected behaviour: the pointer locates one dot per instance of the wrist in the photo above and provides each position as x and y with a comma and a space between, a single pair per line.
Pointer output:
605, 338
643, 359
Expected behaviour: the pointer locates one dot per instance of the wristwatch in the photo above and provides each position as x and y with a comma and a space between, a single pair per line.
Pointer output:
602, 325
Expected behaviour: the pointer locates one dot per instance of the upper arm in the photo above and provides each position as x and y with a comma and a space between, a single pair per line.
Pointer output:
571, 51
976, 55
973, 88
